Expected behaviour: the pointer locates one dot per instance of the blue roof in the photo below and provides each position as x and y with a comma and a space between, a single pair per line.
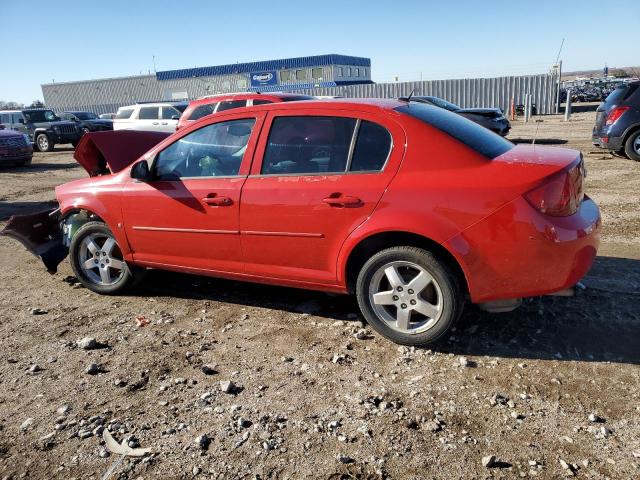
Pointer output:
299, 62
299, 86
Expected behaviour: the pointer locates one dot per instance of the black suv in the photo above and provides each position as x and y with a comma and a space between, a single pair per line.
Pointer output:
617, 125
43, 127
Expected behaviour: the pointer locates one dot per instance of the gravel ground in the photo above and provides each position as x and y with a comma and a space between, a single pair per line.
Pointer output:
232, 380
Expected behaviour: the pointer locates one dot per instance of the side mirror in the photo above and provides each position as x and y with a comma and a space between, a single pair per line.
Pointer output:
140, 171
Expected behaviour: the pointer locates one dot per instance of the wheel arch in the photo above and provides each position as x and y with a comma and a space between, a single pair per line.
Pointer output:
630, 131
375, 242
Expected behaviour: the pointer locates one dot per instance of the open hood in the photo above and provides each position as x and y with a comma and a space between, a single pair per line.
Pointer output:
110, 152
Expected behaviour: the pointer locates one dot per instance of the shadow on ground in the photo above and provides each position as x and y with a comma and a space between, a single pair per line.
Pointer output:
38, 167
540, 141
599, 324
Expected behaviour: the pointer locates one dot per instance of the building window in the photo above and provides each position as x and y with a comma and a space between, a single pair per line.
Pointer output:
242, 84
339, 74
356, 72
301, 74
285, 76
348, 74
317, 73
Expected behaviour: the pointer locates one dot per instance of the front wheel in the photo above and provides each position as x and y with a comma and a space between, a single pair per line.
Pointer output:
407, 295
97, 261
44, 143
632, 146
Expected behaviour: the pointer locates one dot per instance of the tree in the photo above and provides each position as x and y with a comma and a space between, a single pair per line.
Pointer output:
10, 105
37, 104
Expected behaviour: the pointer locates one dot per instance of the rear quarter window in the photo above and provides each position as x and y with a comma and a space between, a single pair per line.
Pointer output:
124, 113
480, 139
202, 111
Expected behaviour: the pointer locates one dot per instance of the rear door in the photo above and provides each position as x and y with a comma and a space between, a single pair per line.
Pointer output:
316, 176
148, 119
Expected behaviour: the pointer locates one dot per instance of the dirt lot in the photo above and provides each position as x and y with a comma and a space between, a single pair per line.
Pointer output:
312, 400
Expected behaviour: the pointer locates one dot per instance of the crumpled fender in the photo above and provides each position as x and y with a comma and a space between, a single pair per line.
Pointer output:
40, 233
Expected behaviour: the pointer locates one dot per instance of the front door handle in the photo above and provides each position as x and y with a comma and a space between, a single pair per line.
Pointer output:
215, 201
339, 200
156, 123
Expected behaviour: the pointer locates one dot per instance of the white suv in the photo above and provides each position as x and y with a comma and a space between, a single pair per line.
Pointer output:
157, 117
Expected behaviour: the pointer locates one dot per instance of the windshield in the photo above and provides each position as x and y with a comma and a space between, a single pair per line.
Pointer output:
480, 139
36, 116
439, 102
86, 115
620, 94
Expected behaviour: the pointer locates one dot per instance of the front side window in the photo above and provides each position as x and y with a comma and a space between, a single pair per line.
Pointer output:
124, 113
169, 112
149, 113
212, 151
230, 104
308, 145
372, 148
202, 111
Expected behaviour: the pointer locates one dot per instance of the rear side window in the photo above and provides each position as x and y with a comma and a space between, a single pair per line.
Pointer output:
261, 102
296, 98
5, 118
478, 138
308, 145
124, 113
372, 148
229, 104
149, 113
202, 111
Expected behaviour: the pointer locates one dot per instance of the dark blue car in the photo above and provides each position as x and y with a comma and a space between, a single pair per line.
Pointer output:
617, 125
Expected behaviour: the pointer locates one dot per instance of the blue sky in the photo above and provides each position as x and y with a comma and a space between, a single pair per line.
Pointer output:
79, 40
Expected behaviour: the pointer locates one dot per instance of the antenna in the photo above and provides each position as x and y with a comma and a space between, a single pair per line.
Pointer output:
560, 51
410, 95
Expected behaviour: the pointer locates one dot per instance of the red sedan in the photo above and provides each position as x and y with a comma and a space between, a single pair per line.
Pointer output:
410, 207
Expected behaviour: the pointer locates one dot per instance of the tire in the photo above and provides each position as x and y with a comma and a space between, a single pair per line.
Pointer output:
94, 278
632, 146
436, 292
74, 144
43, 143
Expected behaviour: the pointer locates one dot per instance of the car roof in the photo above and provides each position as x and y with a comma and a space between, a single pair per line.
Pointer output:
153, 104
244, 95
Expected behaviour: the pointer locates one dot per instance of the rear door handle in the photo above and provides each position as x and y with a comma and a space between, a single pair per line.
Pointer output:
156, 123
339, 200
215, 201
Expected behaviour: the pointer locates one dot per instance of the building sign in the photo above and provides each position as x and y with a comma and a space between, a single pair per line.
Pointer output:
260, 79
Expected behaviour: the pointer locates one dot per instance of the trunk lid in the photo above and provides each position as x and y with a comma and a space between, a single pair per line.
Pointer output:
102, 153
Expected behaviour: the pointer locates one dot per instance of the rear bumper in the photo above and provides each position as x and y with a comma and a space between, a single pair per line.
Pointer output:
519, 252
608, 143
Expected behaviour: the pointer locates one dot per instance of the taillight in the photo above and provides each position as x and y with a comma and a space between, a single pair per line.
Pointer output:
561, 194
615, 114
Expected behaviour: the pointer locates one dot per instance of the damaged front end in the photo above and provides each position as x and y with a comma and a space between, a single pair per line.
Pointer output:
45, 234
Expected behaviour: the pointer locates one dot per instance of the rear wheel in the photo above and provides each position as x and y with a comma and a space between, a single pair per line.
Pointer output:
409, 296
43, 143
97, 260
632, 146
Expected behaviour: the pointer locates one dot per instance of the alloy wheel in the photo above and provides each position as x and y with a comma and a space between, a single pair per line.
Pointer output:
100, 259
636, 145
43, 143
406, 297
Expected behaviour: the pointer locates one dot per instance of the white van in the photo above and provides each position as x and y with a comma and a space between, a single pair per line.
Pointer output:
157, 117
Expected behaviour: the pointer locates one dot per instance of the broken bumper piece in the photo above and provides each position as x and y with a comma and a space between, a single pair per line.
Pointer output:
41, 234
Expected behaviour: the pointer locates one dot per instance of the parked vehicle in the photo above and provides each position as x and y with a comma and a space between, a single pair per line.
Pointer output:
617, 125
408, 206
491, 118
15, 148
220, 103
155, 117
43, 127
88, 121
107, 116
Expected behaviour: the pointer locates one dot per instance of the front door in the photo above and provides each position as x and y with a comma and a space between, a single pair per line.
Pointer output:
315, 179
187, 214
